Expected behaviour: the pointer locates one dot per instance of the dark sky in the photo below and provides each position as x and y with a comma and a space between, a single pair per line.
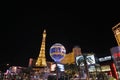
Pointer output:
88, 26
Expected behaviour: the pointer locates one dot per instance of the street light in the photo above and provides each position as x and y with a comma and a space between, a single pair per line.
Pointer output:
82, 61
86, 66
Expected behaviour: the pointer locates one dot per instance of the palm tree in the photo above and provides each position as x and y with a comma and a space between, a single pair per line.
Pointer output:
70, 69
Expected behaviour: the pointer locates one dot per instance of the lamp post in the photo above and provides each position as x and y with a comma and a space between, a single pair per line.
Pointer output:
82, 62
56, 72
86, 66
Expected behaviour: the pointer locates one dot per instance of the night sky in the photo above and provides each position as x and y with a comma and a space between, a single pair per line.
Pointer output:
89, 27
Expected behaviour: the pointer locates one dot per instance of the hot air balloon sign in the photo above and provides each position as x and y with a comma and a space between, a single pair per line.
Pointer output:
57, 52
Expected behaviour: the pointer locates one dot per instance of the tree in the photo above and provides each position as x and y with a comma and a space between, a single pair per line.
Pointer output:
70, 69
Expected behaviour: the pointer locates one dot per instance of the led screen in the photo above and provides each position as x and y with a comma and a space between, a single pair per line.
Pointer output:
90, 59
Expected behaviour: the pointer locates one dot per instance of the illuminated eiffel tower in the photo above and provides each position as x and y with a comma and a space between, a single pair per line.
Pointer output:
41, 60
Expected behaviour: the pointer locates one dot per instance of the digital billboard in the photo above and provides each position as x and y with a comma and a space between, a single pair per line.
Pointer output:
80, 60
115, 51
90, 59
60, 67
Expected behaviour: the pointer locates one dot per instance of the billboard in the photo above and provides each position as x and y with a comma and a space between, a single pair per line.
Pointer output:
90, 59
115, 52
80, 60
60, 67
52, 67
106, 58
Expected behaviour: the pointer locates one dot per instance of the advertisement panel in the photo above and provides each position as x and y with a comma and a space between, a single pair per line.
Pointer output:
80, 60
115, 51
90, 59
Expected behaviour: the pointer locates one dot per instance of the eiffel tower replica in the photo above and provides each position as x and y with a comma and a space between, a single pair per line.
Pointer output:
41, 60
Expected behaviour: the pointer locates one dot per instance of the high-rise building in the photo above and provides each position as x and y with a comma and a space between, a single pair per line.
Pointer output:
41, 60
116, 30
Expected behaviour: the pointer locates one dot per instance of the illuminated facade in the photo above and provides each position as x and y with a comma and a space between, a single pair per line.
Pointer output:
70, 57
108, 66
41, 60
115, 52
116, 30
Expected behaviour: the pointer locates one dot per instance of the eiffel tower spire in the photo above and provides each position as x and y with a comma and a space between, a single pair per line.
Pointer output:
41, 60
